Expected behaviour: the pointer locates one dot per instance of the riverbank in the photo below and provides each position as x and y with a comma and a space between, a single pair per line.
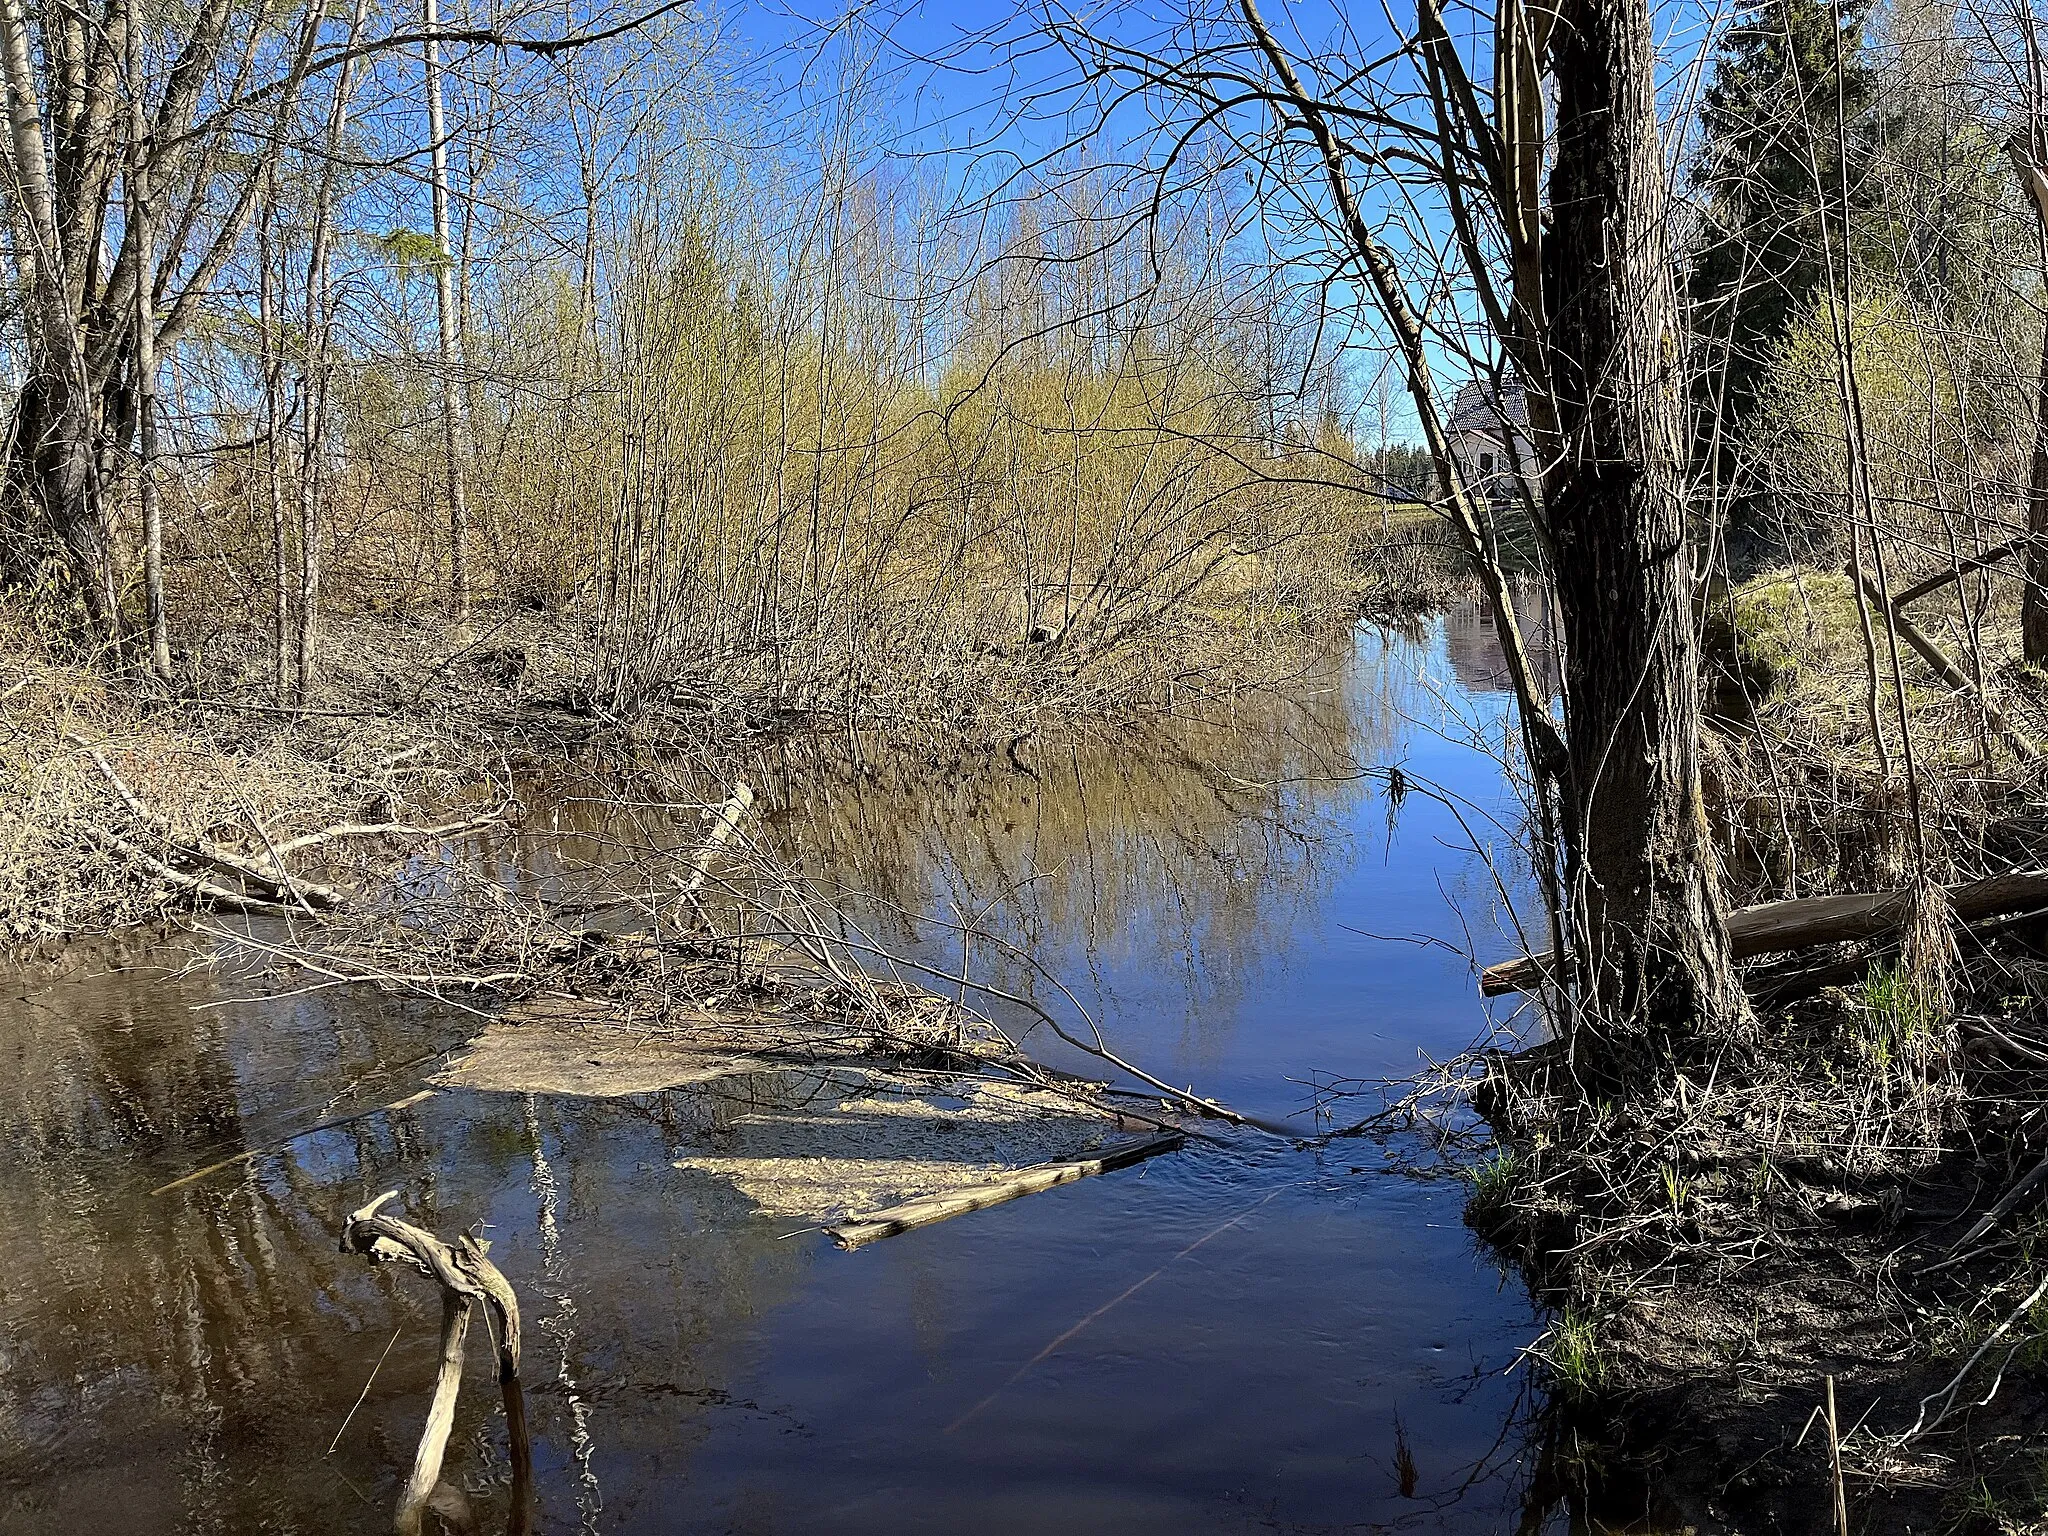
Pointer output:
1849, 1194
414, 721
1774, 1217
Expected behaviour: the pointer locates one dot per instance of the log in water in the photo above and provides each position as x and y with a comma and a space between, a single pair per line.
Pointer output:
929, 1209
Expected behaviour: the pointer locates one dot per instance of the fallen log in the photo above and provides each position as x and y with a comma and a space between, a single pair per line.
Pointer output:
1779, 927
206, 890
1959, 570
930, 1209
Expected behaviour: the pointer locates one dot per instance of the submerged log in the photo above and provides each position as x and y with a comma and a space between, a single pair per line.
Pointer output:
394, 1107
1778, 927
929, 1209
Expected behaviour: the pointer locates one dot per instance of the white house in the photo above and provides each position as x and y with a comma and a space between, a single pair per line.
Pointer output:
1489, 432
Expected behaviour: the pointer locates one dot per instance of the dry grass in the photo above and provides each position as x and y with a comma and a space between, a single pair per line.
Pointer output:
1792, 767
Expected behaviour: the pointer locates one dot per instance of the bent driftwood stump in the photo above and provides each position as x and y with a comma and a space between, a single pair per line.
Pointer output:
466, 1279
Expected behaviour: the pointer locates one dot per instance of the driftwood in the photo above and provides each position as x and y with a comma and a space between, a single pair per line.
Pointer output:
466, 1279
722, 828
1778, 927
930, 1209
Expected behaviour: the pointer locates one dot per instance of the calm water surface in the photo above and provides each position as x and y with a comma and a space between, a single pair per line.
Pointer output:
1250, 1337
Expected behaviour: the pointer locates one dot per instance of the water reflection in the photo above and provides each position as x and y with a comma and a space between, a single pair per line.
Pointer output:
1472, 640
1225, 1339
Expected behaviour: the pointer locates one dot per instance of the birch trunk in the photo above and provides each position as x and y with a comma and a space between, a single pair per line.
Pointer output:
142, 215
454, 436
273, 432
314, 378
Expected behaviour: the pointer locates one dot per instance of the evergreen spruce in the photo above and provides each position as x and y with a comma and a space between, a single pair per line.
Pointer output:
1771, 167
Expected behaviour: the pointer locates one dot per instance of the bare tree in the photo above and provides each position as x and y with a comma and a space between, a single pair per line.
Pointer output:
84, 108
2029, 151
1411, 176
454, 426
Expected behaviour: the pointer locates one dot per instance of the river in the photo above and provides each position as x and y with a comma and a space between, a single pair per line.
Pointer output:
1256, 1336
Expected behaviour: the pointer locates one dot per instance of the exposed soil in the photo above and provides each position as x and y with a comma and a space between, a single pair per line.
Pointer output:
1786, 1213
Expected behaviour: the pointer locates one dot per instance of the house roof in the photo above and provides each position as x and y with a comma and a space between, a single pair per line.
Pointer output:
1478, 408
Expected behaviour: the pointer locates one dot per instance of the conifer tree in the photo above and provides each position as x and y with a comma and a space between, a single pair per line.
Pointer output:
1772, 169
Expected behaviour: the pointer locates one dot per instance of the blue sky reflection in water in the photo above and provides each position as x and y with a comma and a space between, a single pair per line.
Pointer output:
1250, 1338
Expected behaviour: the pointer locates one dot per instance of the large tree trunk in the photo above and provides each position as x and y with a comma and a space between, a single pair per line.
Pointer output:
1651, 950
53, 479
51, 466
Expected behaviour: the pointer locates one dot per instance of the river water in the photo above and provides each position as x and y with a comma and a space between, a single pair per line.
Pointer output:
1256, 1336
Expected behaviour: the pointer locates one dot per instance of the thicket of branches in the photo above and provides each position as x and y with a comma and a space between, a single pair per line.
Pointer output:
565, 313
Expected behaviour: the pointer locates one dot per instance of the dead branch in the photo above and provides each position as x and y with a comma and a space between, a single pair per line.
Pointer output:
386, 829
1958, 571
2022, 745
466, 1277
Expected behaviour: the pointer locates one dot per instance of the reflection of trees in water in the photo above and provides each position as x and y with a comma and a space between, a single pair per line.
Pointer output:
173, 1339
1188, 846
182, 1361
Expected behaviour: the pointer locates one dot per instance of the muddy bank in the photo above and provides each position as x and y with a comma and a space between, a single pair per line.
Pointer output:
1826, 1201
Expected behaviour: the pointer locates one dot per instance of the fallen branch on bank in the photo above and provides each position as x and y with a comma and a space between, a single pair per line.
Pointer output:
1943, 667
467, 1279
256, 884
1780, 927
932, 1209
1959, 570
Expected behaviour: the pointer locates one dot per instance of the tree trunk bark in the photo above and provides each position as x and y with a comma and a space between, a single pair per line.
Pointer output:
55, 441
142, 215
53, 478
314, 377
273, 432
1651, 954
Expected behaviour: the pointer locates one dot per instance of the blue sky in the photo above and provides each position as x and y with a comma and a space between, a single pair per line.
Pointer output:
953, 72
